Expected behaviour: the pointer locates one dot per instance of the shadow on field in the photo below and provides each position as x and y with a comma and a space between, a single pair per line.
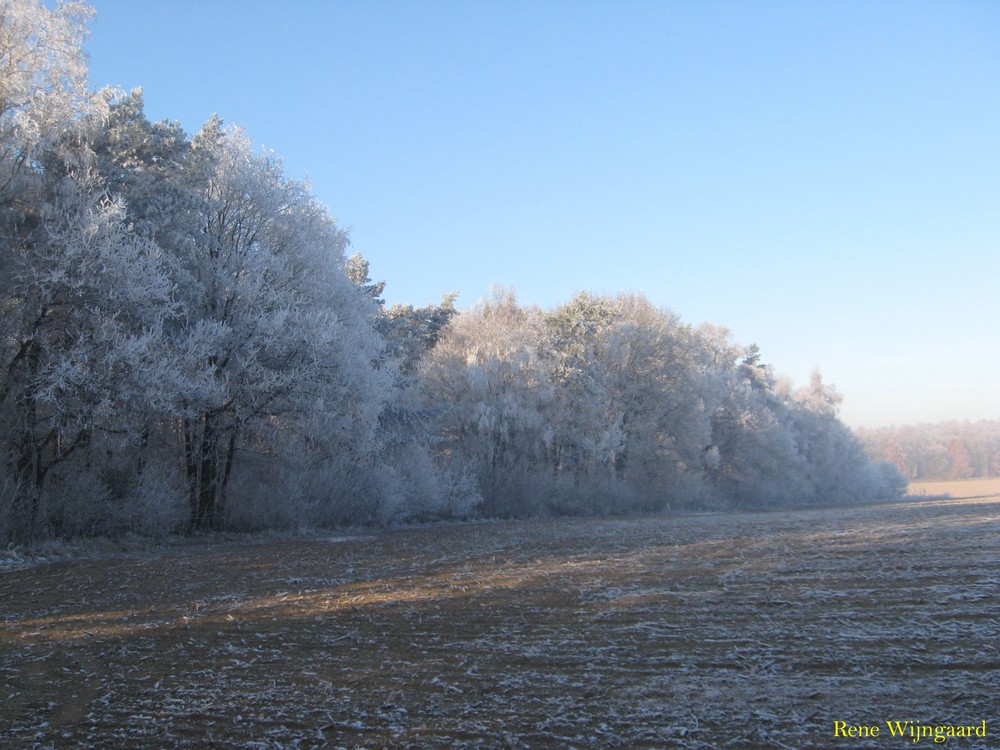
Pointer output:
740, 630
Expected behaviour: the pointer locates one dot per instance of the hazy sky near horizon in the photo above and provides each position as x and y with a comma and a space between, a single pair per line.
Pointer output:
821, 178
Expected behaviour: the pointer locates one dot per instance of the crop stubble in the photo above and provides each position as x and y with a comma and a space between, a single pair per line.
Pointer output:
712, 630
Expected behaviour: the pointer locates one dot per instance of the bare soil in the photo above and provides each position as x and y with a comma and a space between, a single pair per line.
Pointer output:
752, 630
958, 488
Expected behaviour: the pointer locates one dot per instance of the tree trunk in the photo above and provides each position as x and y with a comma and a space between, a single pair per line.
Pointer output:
220, 506
207, 474
191, 470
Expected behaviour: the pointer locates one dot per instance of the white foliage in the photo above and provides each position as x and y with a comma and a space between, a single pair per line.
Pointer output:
615, 394
84, 302
181, 326
43, 89
488, 376
156, 503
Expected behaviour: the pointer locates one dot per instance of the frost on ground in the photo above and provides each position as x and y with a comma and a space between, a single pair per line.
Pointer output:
703, 631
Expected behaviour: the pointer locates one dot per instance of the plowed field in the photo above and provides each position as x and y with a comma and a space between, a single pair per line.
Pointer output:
752, 630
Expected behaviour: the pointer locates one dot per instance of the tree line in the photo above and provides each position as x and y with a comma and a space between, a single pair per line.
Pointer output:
186, 345
944, 450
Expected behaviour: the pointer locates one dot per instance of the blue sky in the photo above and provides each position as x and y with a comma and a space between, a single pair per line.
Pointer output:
821, 178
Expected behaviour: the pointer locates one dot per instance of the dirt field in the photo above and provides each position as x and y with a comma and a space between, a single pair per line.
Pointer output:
957, 488
700, 631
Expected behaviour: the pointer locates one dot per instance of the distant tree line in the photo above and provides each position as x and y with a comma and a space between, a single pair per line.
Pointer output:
185, 345
945, 450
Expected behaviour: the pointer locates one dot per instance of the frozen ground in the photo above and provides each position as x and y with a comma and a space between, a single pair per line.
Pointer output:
964, 488
702, 631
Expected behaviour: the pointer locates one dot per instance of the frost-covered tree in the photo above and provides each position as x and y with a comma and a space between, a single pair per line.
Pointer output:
487, 378
43, 85
657, 376
754, 458
356, 268
427, 483
411, 332
83, 352
777, 447
609, 404
632, 393
292, 344
586, 434
838, 469
154, 167
944, 450
82, 296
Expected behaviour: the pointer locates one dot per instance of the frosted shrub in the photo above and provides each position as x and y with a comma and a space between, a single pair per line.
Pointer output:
462, 495
880, 480
429, 492
78, 504
263, 494
688, 491
156, 503
592, 495
9, 497
302, 494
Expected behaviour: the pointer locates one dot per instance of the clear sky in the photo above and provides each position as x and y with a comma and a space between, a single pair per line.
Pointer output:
822, 178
